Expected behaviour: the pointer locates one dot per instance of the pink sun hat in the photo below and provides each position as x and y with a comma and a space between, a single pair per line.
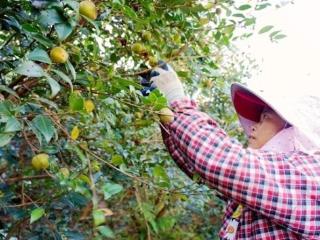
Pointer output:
301, 110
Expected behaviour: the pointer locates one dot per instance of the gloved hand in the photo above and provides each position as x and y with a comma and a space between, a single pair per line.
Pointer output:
166, 80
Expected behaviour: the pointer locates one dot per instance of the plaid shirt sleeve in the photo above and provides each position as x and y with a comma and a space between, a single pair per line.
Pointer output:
283, 187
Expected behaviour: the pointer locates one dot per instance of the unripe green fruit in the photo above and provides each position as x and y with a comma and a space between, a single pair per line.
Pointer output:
40, 161
166, 115
146, 35
88, 9
153, 61
59, 55
137, 48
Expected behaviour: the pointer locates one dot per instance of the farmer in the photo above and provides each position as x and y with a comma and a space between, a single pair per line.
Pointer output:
273, 186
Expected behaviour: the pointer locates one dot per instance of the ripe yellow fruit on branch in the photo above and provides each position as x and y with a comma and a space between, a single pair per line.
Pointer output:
65, 172
75, 133
204, 21
88, 9
166, 116
89, 106
59, 55
40, 161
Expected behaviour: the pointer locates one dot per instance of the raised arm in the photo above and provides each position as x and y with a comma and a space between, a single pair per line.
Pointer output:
285, 188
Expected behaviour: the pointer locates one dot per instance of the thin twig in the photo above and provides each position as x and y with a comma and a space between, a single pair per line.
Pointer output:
33, 148
7, 41
23, 178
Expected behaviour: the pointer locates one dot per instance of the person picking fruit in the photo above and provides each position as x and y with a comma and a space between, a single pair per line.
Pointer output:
272, 187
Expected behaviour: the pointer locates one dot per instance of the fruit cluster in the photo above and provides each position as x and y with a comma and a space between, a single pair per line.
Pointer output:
88, 10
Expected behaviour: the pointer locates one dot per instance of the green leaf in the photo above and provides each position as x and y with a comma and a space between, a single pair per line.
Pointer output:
36, 132
5, 107
30, 69
166, 223
39, 55
64, 77
250, 21
8, 90
106, 231
244, 7
5, 138
265, 29
73, 4
63, 30
42, 40
117, 159
36, 214
12, 125
80, 154
148, 211
110, 189
271, 35
45, 126
93, 23
30, 28
98, 217
72, 70
47, 101
160, 174
76, 102
50, 17
54, 85
262, 6
279, 36
240, 15
129, 12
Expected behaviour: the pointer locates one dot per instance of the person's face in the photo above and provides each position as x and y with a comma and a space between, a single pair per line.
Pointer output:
269, 125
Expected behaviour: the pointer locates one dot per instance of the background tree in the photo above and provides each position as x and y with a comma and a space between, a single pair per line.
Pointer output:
81, 153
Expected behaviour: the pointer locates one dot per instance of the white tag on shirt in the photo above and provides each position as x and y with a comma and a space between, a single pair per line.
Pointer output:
231, 230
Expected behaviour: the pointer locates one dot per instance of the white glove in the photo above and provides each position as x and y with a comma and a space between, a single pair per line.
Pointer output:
168, 82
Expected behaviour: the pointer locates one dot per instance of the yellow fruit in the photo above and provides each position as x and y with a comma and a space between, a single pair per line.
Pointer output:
95, 166
40, 161
153, 61
166, 115
89, 106
85, 178
75, 133
175, 53
65, 172
203, 21
138, 115
137, 48
59, 55
176, 38
146, 35
88, 9
209, 5
207, 83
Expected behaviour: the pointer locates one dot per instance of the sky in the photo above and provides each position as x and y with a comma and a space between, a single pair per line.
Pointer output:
293, 63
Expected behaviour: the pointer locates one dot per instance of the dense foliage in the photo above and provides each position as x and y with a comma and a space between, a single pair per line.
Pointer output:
70, 91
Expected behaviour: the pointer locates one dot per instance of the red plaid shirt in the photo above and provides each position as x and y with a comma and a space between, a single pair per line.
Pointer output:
280, 192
